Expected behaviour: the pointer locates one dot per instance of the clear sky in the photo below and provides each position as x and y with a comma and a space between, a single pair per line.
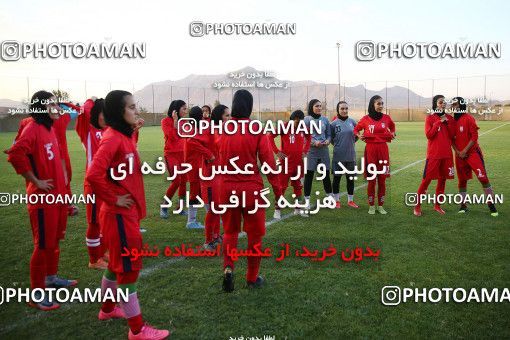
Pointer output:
309, 55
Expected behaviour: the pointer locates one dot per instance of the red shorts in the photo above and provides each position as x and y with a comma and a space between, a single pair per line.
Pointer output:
119, 232
438, 168
253, 224
48, 225
472, 163
377, 153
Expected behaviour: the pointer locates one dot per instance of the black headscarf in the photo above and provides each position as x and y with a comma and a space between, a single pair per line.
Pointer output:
196, 113
338, 110
176, 105
310, 109
38, 110
114, 105
297, 114
371, 108
242, 104
217, 113
462, 108
95, 111
434, 104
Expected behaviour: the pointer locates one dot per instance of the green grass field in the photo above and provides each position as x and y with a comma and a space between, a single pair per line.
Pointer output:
302, 299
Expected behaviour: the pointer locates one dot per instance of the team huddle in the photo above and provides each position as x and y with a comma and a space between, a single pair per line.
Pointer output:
109, 130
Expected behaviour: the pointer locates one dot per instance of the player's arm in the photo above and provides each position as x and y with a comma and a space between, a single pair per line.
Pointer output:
18, 157
473, 131
358, 128
328, 133
431, 129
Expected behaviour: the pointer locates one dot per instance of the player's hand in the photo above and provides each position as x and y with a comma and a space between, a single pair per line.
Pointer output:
210, 160
124, 201
44, 184
174, 115
462, 154
443, 118
281, 155
326, 143
317, 144
362, 137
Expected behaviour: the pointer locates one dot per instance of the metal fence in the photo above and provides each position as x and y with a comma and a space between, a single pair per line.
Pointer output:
405, 100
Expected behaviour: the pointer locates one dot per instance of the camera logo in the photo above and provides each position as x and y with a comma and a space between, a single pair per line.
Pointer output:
196, 29
186, 128
365, 50
390, 295
411, 199
5, 199
10, 50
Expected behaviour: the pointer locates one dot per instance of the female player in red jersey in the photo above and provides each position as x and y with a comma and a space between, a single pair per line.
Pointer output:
468, 154
196, 153
174, 151
90, 126
249, 148
123, 207
439, 130
37, 156
378, 130
293, 148
211, 188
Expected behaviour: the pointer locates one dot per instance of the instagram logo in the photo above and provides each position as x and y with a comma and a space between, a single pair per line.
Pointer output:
186, 128
5, 199
411, 199
390, 295
365, 50
196, 29
10, 50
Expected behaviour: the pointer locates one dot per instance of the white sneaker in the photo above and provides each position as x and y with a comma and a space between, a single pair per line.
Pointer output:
302, 213
277, 214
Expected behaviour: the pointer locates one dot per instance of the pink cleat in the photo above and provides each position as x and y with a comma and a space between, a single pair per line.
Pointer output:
338, 205
437, 208
116, 313
149, 333
417, 211
352, 205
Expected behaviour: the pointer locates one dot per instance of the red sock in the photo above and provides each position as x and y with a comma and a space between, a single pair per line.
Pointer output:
208, 227
371, 191
93, 242
441, 184
229, 242
38, 268
381, 189
52, 258
135, 323
253, 261
422, 189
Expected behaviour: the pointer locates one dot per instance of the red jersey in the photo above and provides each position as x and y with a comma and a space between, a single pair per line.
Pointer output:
439, 136
376, 131
248, 147
292, 145
37, 149
196, 151
466, 130
22, 124
116, 148
89, 135
173, 142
